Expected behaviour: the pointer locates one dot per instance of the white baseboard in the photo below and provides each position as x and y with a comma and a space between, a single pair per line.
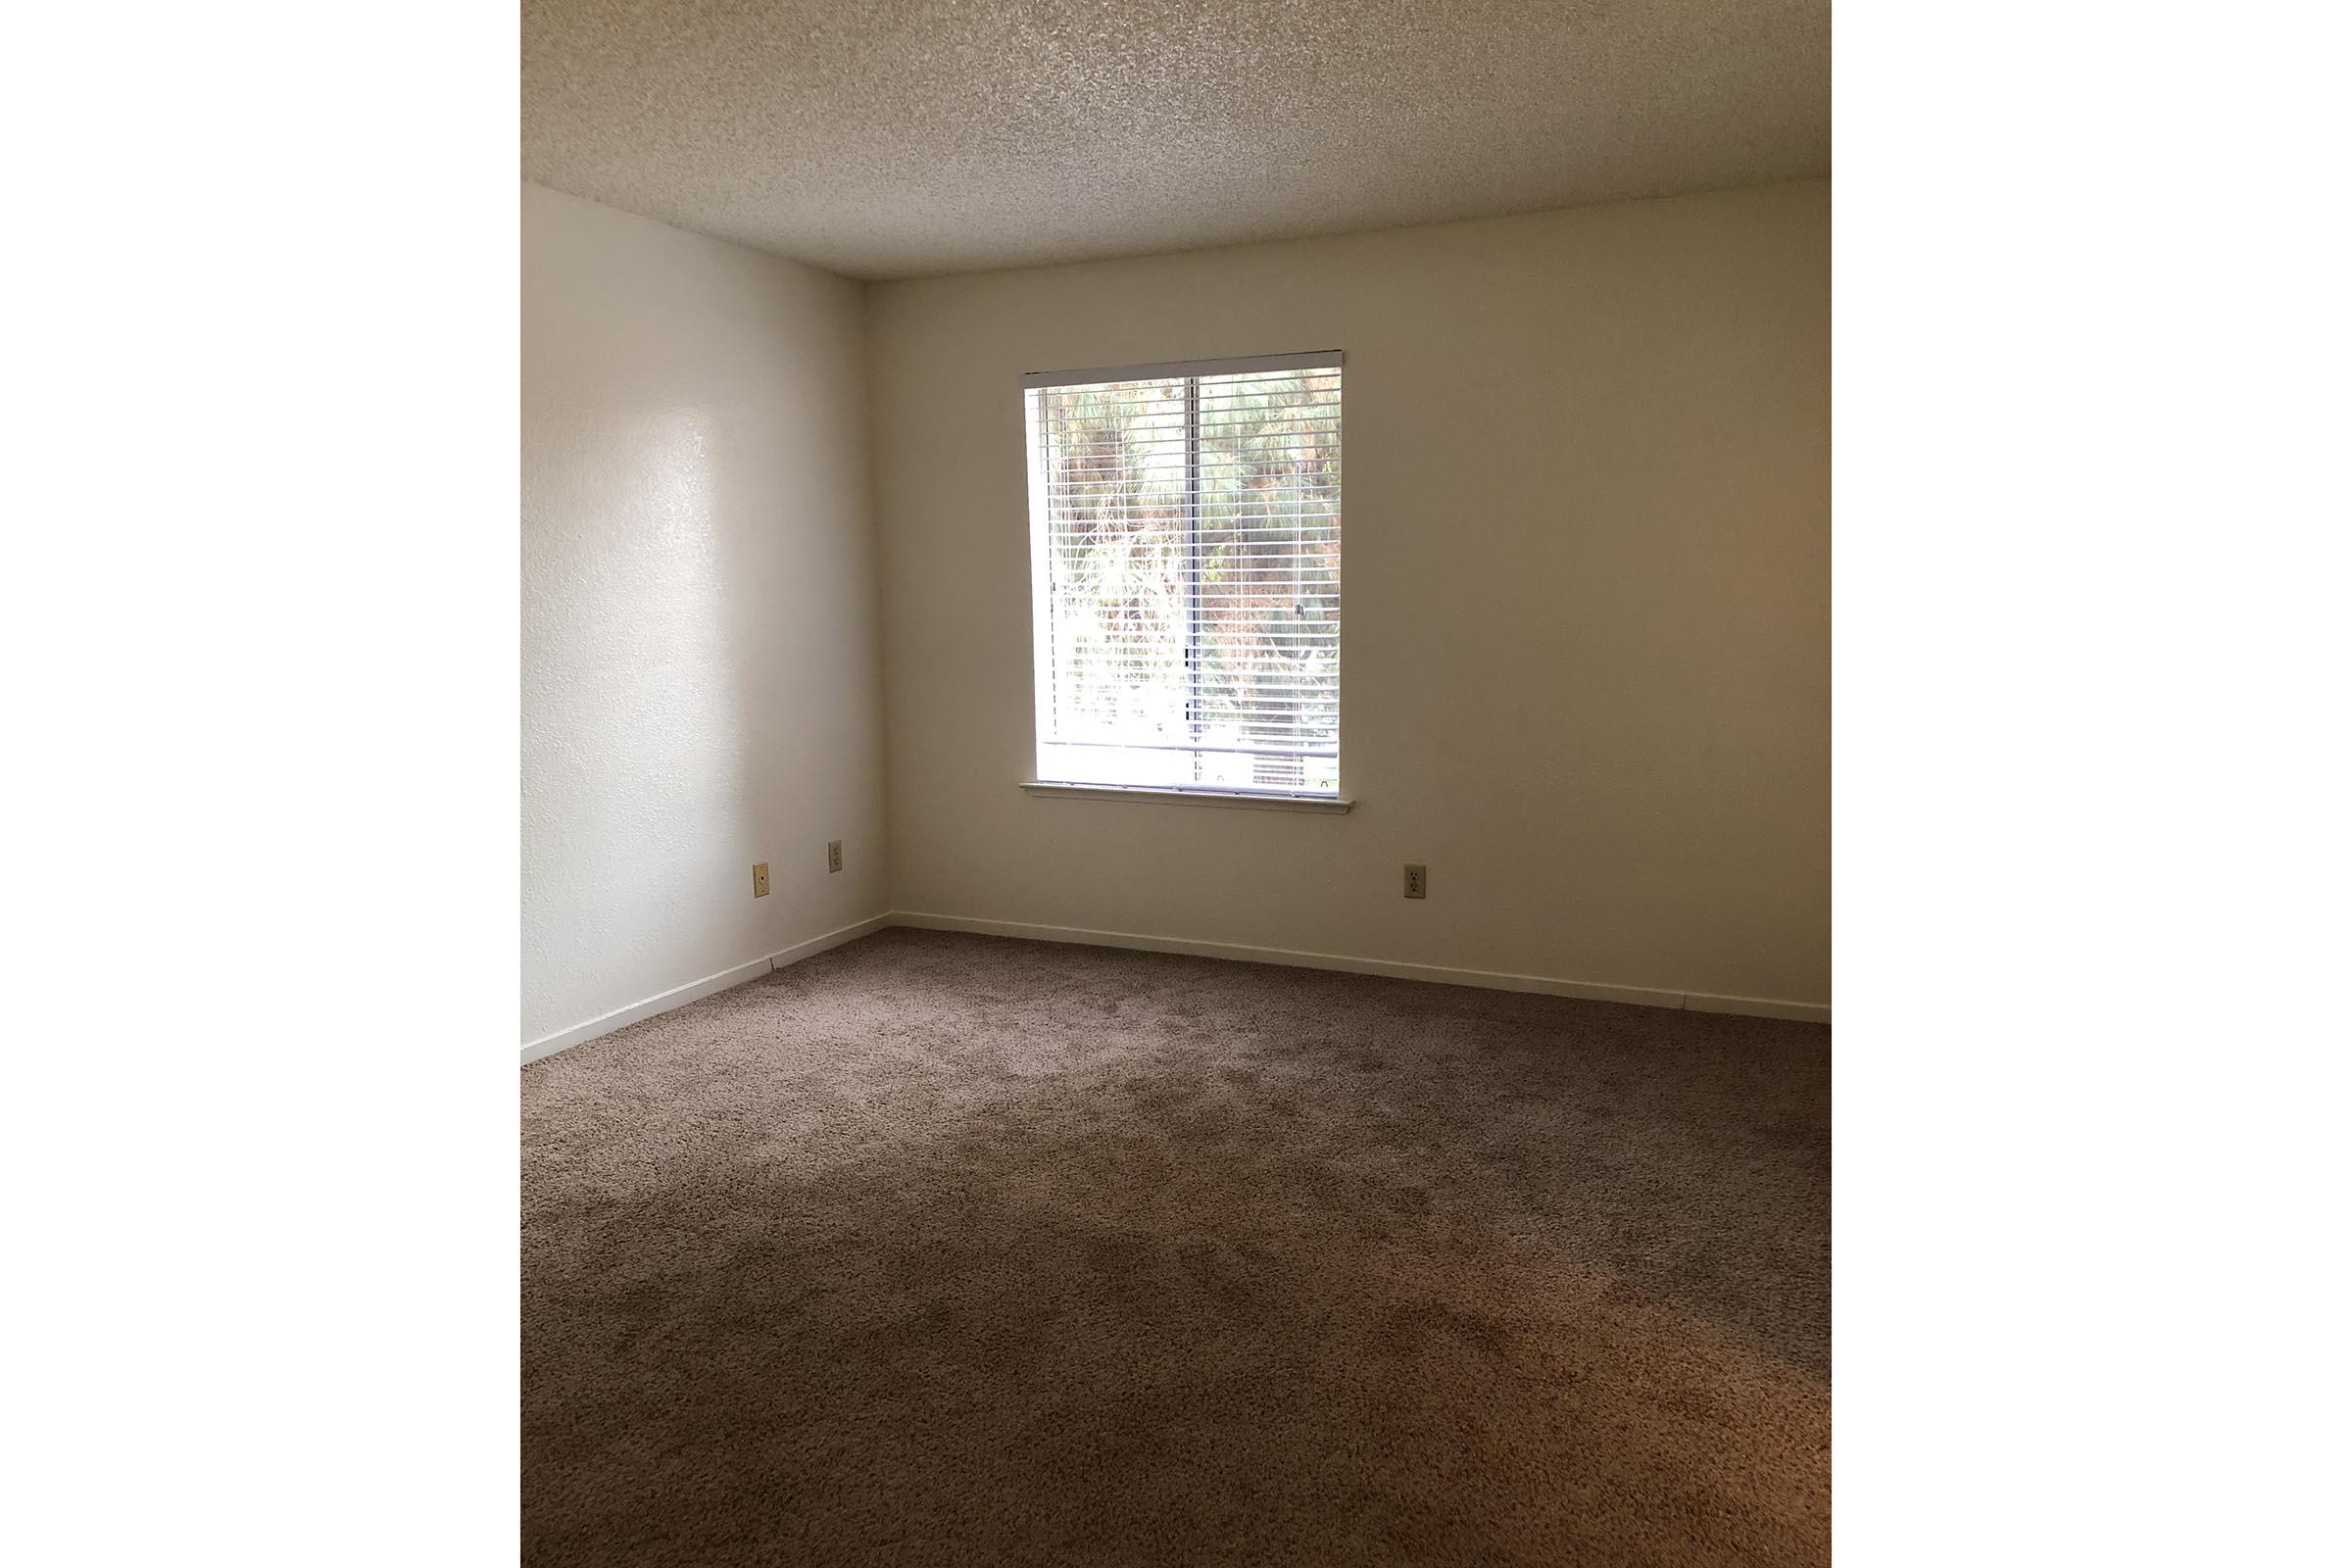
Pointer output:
696, 989
1491, 980
1545, 985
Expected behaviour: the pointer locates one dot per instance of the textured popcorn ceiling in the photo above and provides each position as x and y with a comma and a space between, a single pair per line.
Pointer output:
909, 138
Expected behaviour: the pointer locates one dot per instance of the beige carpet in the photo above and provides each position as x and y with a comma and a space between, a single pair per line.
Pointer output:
953, 1249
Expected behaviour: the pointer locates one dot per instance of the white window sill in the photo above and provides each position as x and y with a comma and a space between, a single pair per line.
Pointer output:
1324, 803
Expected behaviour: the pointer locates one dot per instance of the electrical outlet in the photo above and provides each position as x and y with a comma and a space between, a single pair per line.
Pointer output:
1416, 881
760, 880
833, 856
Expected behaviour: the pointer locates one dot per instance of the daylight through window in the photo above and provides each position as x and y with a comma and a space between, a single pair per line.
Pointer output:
1184, 548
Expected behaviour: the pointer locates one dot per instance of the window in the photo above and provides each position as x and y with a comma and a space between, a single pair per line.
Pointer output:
1185, 567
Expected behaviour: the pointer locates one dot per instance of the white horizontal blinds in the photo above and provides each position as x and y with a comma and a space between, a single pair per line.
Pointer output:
1188, 626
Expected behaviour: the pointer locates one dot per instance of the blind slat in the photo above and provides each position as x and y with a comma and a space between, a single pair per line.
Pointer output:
1260, 367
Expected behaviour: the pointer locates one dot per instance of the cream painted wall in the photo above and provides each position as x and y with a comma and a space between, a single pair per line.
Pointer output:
1585, 623
699, 628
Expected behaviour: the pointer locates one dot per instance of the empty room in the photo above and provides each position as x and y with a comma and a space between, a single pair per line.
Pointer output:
1175, 784
1078, 783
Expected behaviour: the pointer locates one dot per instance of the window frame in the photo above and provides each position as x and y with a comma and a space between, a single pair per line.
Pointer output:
1040, 586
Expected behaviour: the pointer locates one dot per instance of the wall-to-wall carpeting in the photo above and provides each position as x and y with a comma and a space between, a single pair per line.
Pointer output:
945, 1249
